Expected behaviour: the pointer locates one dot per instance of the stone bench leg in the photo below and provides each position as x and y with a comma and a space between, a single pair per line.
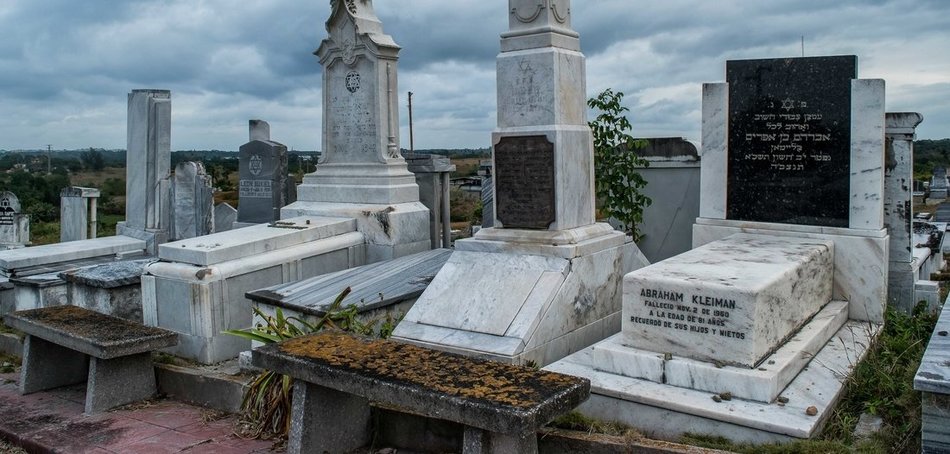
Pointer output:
118, 381
478, 441
47, 366
327, 420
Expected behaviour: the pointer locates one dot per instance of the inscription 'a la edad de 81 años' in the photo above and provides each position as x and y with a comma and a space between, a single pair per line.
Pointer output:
698, 314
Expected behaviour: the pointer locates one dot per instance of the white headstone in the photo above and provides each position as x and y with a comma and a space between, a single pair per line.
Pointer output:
78, 217
193, 201
148, 168
14, 226
361, 173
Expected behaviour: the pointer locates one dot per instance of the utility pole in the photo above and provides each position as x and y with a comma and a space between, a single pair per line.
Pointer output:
412, 142
49, 159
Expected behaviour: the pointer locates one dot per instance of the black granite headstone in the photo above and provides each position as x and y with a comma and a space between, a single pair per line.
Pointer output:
790, 140
263, 176
524, 181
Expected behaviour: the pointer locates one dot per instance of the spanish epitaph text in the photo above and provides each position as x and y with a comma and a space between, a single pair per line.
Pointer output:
524, 182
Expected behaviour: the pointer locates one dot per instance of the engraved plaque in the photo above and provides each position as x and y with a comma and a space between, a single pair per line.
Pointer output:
524, 181
790, 140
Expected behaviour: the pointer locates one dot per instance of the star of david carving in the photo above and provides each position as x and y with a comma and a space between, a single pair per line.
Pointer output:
788, 104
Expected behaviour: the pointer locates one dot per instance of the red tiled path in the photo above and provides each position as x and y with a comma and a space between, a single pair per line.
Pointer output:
53, 422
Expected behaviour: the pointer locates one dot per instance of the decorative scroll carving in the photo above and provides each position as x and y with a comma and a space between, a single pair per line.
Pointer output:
532, 17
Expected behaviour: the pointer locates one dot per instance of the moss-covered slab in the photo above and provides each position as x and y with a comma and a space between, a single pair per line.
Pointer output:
99, 335
492, 396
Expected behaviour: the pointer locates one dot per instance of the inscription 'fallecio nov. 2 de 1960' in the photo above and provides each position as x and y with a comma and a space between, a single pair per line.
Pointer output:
790, 140
524, 182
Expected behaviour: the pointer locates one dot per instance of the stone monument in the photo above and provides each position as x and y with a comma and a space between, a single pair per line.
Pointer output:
938, 186
264, 186
14, 226
545, 281
753, 334
193, 201
148, 169
78, 218
361, 174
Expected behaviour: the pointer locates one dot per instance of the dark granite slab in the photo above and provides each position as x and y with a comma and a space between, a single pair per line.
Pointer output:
488, 395
790, 140
109, 275
525, 182
92, 333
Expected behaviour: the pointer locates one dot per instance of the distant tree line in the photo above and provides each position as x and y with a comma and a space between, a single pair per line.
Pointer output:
928, 155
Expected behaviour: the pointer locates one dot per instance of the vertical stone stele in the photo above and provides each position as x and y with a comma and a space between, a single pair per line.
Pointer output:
361, 173
545, 280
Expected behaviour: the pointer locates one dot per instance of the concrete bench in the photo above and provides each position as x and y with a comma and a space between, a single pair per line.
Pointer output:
337, 375
66, 345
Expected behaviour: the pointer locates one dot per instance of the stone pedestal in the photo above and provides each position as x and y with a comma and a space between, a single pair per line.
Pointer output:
545, 281
361, 173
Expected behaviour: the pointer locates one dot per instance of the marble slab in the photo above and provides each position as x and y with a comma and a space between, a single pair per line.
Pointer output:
933, 376
235, 244
667, 412
733, 301
64, 252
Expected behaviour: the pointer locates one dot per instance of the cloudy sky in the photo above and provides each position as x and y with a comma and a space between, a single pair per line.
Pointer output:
66, 65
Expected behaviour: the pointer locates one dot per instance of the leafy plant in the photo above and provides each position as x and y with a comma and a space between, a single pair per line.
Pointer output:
267, 401
618, 182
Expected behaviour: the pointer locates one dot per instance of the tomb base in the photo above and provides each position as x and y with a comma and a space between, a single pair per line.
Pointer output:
525, 296
664, 411
391, 231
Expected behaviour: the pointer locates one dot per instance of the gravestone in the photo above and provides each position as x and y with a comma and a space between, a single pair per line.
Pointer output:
224, 217
433, 173
910, 261
361, 173
789, 140
545, 280
753, 334
938, 185
78, 214
193, 201
14, 226
148, 210
488, 194
263, 177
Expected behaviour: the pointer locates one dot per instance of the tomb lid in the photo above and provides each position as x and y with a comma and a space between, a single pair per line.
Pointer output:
108, 275
69, 251
257, 239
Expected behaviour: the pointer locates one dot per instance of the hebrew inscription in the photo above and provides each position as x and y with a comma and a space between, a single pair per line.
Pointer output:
790, 140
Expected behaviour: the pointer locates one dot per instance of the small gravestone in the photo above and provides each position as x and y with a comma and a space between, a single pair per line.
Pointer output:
938, 185
78, 219
14, 226
789, 140
194, 201
224, 217
263, 174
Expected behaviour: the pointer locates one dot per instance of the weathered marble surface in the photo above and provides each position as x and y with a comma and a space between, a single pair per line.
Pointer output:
933, 376
714, 170
149, 160
867, 154
199, 302
667, 412
64, 252
108, 275
732, 301
237, 244
193, 199
860, 260
77, 213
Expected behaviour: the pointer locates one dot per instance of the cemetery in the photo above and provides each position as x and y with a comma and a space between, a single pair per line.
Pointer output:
778, 268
